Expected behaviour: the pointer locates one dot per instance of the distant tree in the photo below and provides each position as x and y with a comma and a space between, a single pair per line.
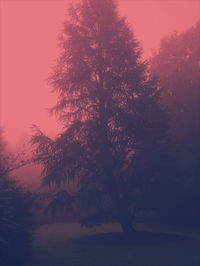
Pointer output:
114, 127
16, 224
177, 65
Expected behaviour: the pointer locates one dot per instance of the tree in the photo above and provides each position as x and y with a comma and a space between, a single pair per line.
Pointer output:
109, 108
177, 65
16, 224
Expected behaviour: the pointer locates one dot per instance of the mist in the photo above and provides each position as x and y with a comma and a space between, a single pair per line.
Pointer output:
99, 133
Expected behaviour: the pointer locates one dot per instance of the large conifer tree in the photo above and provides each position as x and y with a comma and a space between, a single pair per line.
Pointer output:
109, 108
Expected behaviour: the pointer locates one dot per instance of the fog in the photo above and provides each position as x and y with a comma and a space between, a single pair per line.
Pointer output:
29, 37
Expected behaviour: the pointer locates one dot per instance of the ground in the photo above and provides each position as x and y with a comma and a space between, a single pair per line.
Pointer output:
71, 245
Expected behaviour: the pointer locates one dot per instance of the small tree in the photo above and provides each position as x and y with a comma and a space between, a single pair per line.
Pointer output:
16, 224
108, 105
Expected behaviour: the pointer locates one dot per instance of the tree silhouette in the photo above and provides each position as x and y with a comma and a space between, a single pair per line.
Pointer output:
113, 123
16, 223
177, 64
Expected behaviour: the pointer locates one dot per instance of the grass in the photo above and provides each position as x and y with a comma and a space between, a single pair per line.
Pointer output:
71, 245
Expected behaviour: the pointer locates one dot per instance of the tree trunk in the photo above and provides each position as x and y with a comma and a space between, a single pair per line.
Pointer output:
127, 227
126, 221
124, 217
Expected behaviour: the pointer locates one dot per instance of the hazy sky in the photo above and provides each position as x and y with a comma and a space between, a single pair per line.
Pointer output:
28, 32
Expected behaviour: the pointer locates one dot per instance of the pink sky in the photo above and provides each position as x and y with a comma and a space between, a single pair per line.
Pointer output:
29, 31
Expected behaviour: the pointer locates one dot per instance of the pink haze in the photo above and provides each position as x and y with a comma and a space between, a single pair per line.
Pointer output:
29, 31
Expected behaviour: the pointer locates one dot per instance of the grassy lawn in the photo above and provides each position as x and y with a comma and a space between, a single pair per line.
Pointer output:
65, 245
